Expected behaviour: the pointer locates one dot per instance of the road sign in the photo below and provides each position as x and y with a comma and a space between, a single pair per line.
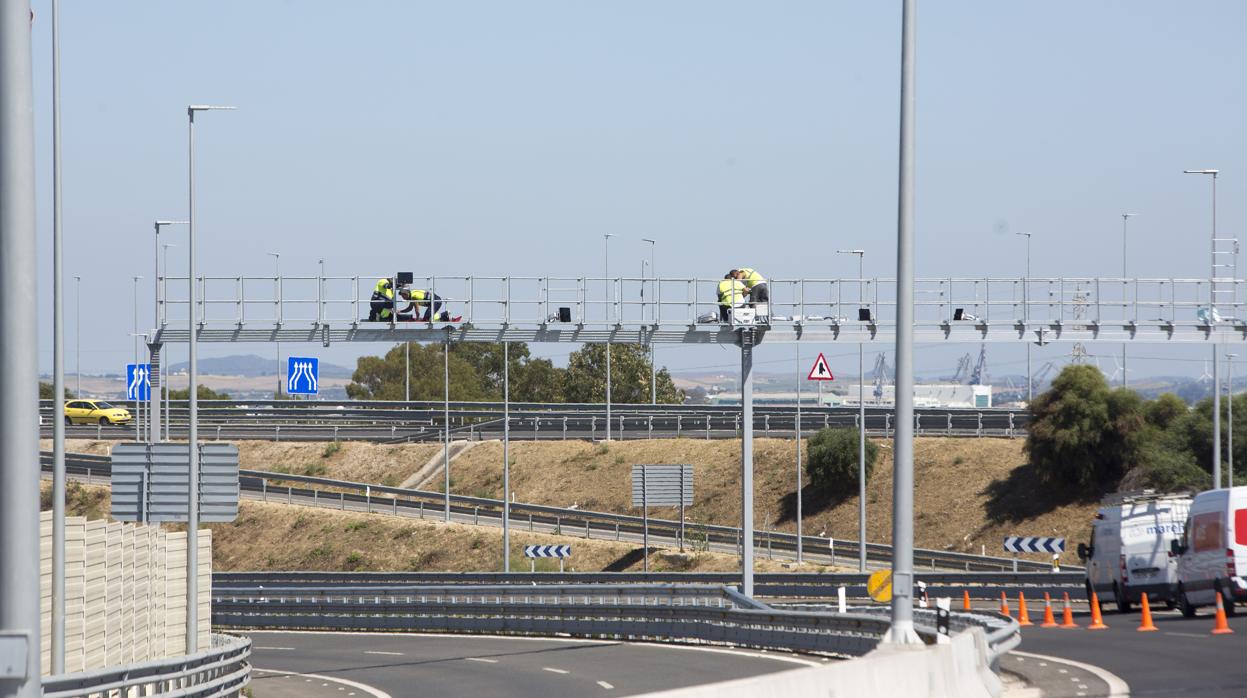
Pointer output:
302, 375
664, 485
150, 482
138, 381
820, 371
879, 586
1022, 544
559, 551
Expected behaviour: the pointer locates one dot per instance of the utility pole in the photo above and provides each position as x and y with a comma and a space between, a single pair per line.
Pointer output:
1212, 322
1125, 220
58, 364
653, 365
861, 418
1229, 395
610, 297
1026, 319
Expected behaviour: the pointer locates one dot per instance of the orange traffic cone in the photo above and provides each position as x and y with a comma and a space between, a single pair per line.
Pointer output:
1004, 606
1067, 620
1048, 620
1221, 626
1097, 621
1024, 617
965, 600
1146, 625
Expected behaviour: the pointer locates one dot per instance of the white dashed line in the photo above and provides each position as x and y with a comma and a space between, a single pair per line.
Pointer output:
388, 654
284, 649
1174, 634
481, 659
553, 670
605, 685
1116, 687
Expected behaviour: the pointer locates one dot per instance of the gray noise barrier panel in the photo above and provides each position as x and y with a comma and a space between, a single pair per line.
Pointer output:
665, 485
150, 482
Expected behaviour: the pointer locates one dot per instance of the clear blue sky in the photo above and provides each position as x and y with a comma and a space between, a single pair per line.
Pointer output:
490, 138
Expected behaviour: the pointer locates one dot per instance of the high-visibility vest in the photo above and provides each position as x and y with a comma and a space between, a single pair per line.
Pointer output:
417, 295
731, 292
382, 298
752, 278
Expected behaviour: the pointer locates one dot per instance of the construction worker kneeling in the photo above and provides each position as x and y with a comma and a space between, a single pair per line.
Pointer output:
731, 295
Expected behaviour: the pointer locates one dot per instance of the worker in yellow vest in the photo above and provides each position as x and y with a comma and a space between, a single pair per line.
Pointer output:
381, 305
731, 294
421, 301
755, 285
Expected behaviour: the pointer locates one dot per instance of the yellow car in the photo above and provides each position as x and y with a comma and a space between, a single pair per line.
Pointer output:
95, 412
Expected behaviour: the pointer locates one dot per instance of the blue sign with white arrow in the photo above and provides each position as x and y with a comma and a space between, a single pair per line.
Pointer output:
302, 375
138, 381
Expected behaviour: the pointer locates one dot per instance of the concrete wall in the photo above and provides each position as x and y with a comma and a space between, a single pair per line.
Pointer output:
125, 592
958, 669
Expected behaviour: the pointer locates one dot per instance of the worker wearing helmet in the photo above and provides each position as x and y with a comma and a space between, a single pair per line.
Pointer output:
755, 285
731, 294
381, 305
421, 301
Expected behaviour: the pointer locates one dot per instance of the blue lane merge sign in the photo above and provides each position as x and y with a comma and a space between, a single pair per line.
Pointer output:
138, 381
302, 375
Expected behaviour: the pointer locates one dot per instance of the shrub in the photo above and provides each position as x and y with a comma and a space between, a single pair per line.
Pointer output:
831, 460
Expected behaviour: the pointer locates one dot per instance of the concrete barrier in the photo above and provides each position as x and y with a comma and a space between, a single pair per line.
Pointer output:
958, 669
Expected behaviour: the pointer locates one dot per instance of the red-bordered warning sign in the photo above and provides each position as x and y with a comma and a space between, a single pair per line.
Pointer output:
820, 371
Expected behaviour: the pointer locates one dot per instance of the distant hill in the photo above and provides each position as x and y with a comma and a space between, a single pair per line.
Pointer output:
251, 365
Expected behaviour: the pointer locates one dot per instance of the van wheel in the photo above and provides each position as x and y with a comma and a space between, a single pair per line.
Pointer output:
1184, 605
1227, 600
1123, 603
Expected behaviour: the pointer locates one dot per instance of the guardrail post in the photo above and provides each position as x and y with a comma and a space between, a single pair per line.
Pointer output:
218, 433
616, 531
264, 489
565, 428
476, 516
394, 503
530, 523
315, 497
342, 501
422, 510
593, 428
650, 427
587, 528
558, 525
276, 433
368, 498
335, 433
289, 495
950, 423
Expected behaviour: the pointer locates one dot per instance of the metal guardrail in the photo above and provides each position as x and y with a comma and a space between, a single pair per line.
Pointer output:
565, 521
223, 670
771, 583
711, 615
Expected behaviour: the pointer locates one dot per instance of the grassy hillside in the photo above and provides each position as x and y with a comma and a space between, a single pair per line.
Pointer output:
969, 493
284, 537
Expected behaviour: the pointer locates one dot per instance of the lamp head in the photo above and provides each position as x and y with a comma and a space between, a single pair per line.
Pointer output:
1211, 172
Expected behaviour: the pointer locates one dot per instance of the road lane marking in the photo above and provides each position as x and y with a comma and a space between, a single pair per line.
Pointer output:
1116, 687
287, 649
388, 654
1188, 635
605, 685
481, 659
553, 670
374, 692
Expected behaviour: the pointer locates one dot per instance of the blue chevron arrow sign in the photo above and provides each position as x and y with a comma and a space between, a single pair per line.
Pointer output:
1023, 544
559, 551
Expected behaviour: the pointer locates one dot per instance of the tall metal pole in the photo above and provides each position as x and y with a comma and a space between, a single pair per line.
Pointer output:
1212, 321
1026, 315
277, 294
861, 417
58, 364
653, 364
1229, 407
192, 518
19, 368
1125, 219
165, 360
902, 630
77, 336
610, 297
445, 414
407, 371
746, 461
192, 523
506, 456
137, 402
798, 430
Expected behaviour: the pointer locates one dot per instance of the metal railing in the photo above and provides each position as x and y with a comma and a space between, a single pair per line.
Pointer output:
635, 301
223, 670
705, 615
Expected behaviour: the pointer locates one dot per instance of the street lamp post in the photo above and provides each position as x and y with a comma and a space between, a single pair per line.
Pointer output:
1212, 319
192, 519
157, 281
57, 639
77, 336
277, 295
1026, 314
137, 402
861, 420
1229, 408
610, 296
1125, 220
164, 383
653, 366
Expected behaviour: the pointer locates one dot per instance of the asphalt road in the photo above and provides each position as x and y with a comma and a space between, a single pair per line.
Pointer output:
1181, 658
451, 665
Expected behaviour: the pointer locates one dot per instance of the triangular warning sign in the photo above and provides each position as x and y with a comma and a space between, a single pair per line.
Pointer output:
820, 371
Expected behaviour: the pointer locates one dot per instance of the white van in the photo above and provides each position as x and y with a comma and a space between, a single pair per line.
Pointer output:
1130, 551
1213, 552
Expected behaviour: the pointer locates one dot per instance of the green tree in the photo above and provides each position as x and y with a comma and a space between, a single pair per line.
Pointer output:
475, 374
1166, 409
202, 392
585, 380
46, 391
1066, 435
832, 460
